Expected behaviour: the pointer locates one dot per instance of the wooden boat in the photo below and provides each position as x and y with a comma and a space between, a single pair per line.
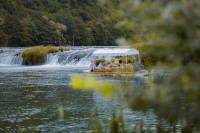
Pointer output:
113, 72
102, 53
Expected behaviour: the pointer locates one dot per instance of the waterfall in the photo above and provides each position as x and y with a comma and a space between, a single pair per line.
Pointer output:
10, 56
79, 57
75, 58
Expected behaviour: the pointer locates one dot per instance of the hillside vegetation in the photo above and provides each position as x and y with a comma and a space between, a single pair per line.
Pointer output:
35, 22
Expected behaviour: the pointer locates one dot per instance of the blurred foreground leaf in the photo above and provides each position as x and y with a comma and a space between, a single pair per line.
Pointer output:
106, 88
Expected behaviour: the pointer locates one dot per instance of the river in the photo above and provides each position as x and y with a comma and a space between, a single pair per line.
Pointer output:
30, 96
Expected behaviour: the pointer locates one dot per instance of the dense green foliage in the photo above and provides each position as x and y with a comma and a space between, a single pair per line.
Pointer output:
34, 56
129, 59
37, 55
103, 61
61, 48
33, 22
167, 31
51, 49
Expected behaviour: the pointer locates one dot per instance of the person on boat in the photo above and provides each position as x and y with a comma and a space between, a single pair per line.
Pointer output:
110, 67
100, 66
137, 66
92, 66
120, 64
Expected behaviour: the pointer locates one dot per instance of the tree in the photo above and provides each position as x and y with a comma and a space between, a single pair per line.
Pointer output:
161, 28
99, 35
172, 30
72, 13
13, 29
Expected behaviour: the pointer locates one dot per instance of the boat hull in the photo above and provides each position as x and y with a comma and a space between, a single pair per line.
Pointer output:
114, 73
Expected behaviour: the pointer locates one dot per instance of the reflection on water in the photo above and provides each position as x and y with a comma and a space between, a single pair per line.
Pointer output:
33, 95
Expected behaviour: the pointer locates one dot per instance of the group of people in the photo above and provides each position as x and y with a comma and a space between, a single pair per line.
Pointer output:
137, 66
100, 66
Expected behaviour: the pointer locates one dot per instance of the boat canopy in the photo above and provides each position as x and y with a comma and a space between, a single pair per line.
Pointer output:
115, 52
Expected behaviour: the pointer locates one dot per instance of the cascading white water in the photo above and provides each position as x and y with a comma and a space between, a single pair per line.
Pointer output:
72, 58
76, 57
52, 59
10, 56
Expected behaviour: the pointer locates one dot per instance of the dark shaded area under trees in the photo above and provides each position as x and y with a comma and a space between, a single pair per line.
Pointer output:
35, 22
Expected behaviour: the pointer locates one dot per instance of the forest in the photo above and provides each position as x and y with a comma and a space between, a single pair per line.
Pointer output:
56, 22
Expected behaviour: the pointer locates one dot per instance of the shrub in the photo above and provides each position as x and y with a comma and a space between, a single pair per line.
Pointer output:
61, 48
51, 49
112, 60
37, 55
107, 63
100, 60
129, 59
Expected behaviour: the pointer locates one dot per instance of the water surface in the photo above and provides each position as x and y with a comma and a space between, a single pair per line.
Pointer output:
33, 95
